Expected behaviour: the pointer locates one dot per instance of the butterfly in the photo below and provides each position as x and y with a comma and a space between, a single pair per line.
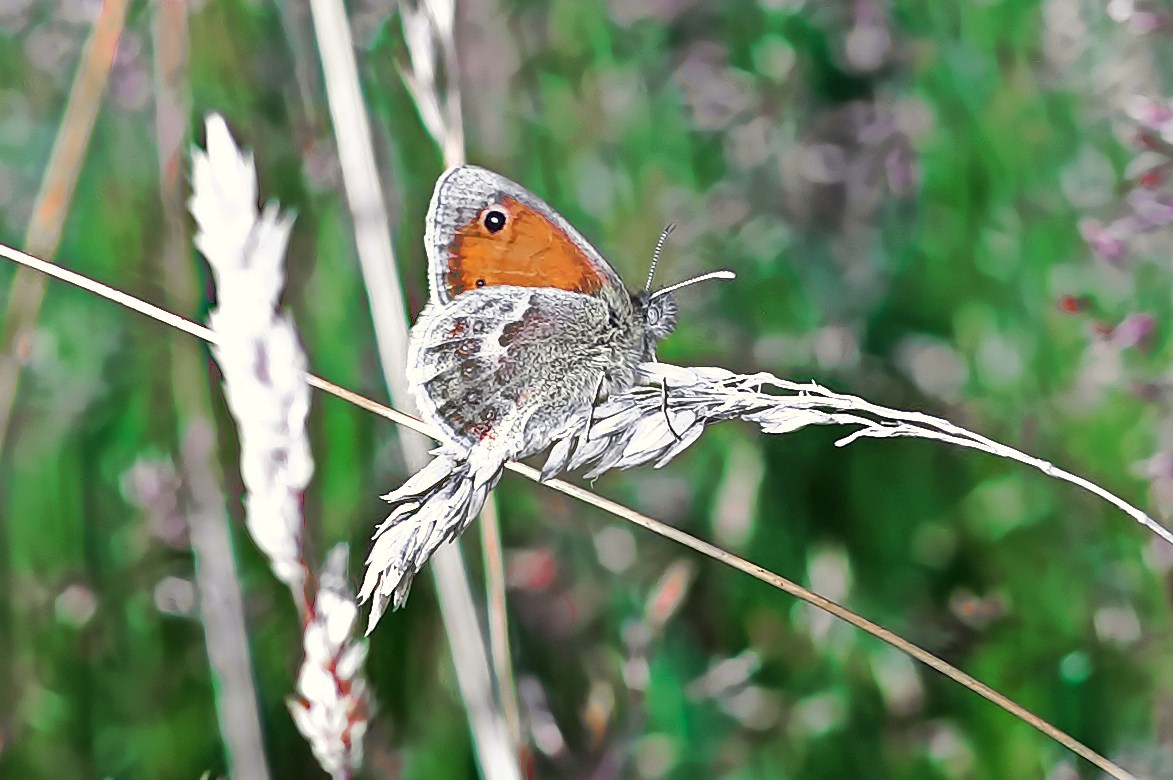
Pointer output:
527, 329
527, 326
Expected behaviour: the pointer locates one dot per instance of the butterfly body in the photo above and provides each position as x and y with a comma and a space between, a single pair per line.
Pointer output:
527, 327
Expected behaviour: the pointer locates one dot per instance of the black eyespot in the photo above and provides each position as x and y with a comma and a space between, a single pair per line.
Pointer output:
494, 220
480, 282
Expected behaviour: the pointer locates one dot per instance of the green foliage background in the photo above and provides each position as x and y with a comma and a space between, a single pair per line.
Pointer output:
903, 222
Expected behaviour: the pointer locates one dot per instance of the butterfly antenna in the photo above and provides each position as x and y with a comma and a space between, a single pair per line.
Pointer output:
694, 280
667, 231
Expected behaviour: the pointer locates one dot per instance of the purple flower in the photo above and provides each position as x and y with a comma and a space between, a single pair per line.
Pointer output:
1149, 22
1103, 240
1152, 207
1152, 115
1134, 330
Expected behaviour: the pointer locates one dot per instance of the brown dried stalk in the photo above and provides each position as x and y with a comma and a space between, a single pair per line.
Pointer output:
48, 219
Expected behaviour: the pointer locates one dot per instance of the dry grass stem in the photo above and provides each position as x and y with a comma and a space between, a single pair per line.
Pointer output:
429, 35
373, 241
428, 32
632, 516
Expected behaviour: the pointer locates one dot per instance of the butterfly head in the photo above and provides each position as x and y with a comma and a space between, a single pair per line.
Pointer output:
658, 312
658, 308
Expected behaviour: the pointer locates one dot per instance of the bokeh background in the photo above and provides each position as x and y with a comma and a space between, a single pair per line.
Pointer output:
955, 207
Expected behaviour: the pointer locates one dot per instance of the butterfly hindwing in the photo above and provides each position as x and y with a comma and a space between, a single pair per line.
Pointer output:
508, 364
484, 230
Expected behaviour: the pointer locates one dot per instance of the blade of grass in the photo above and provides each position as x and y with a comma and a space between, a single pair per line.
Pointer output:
373, 242
655, 526
221, 600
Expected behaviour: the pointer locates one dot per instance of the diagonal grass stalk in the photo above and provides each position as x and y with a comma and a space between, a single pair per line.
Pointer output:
662, 529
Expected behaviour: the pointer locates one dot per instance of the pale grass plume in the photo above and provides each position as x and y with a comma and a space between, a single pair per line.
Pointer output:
428, 27
332, 708
256, 347
643, 425
433, 507
265, 384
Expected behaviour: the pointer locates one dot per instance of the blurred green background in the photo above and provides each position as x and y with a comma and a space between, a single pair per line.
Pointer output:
900, 188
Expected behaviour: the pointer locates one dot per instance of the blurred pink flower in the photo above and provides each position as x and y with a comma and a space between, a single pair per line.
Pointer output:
1107, 245
1135, 330
1153, 207
1150, 114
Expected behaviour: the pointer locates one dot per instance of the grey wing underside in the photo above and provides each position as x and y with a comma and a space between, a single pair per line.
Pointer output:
461, 193
518, 366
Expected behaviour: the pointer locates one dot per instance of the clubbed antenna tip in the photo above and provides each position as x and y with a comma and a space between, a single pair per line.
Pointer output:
724, 274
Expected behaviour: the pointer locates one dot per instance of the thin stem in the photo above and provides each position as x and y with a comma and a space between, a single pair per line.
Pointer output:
373, 242
827, 605
221, 598
501, 656
435, 19
655, 526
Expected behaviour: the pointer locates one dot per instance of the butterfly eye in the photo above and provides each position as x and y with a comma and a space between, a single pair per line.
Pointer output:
494, 220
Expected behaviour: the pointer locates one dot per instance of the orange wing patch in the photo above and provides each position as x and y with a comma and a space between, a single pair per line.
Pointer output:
511, 243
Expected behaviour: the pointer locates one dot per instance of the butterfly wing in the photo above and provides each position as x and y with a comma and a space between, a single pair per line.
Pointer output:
484, 230
515, 366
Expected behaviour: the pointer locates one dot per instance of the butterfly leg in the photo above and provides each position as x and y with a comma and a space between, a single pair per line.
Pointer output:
594, 404
664, 407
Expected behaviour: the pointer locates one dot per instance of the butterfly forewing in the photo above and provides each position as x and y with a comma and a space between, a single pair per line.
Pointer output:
509, 243
484, 230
